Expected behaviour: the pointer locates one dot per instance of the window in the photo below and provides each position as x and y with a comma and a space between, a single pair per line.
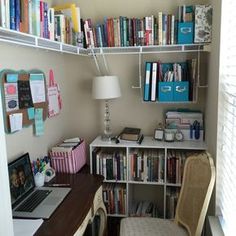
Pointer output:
226, 147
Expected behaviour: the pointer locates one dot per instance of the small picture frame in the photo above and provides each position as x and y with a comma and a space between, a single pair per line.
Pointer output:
159, 134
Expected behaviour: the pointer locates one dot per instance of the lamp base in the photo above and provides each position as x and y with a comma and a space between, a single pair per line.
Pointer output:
106, 138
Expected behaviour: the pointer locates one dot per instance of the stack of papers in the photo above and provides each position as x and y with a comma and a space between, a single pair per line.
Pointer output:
23, 227
183, 120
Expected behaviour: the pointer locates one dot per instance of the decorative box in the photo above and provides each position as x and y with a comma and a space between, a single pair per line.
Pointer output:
203, 24
181, 91
185, 32
68, 160
165, 91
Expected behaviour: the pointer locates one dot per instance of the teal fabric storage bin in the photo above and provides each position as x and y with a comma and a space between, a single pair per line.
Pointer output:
165, 91
181, 91
185, 32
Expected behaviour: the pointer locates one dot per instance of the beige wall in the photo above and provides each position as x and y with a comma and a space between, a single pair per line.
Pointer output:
212, 92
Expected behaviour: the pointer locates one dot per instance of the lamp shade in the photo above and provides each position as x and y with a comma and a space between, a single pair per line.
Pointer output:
106, 87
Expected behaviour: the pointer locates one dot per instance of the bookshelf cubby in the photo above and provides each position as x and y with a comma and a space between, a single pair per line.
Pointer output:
153, 172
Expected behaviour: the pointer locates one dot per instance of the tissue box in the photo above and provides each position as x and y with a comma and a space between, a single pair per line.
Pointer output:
185, 32
68, 160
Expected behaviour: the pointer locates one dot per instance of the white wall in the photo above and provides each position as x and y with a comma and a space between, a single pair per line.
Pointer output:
5, 205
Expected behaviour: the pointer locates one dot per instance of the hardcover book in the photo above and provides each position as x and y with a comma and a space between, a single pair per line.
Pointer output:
130, 134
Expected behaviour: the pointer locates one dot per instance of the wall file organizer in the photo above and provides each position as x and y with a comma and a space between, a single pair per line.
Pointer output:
23, 95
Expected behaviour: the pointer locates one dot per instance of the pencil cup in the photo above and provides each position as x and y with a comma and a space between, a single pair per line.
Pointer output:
39, 179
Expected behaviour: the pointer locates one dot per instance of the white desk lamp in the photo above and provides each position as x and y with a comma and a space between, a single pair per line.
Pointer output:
106, 88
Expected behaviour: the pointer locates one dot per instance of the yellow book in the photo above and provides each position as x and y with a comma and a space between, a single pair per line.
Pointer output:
72, 11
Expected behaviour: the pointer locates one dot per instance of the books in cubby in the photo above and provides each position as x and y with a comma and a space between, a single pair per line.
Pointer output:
147, 165
144, 209
109, 163
114, 197
172, 196
175, 166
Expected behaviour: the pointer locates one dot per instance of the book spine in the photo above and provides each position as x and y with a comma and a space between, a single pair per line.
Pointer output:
12, 15
160, 27
147, 82
18, 14
51, 23
154, 82
3, 13
7, 13
45, 20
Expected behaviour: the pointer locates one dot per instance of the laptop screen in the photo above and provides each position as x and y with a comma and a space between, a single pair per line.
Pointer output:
20, 178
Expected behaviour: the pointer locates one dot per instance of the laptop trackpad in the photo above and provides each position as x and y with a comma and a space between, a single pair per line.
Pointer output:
51, 200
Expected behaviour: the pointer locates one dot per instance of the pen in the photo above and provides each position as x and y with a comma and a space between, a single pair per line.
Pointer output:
59, 185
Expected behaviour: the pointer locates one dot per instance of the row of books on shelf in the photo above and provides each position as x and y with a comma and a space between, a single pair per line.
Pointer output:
144, 209
170, 81
112, 165
114, 197
147, 165
60, 23
63, 23
163, 29
172, 196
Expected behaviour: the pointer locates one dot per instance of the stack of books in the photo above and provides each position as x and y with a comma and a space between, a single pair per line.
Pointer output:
130, 134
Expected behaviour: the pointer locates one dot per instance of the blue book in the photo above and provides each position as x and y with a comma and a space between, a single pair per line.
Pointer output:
45, 15
17, 9
12, 15
104, 42
121, 32
147, 81
105, 31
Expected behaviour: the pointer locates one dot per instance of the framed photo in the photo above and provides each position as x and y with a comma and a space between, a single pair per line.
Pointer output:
159, 134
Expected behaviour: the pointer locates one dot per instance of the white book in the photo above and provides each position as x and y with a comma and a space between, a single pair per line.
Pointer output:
172, 38
154, 82
51, 24
160, 27
7, 12
2, 13
30, 17
37, 23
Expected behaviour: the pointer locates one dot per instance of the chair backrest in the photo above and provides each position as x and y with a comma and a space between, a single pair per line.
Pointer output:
195, 193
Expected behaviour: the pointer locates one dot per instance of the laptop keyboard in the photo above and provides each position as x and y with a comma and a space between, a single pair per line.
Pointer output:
34, 200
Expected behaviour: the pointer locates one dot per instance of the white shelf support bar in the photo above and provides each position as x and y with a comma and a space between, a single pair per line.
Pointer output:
105, 63
96, 61
139, 70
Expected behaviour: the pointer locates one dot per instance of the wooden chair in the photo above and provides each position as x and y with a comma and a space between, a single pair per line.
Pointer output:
195, 193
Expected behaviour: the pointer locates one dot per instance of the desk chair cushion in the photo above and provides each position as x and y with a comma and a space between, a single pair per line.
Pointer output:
145, 226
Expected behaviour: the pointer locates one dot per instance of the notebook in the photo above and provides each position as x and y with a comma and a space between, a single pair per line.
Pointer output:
27, 200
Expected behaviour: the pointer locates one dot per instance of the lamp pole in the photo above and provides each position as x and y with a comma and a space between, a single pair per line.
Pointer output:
107, 130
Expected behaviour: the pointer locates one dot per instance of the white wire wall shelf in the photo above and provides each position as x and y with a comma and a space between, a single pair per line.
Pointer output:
23, 39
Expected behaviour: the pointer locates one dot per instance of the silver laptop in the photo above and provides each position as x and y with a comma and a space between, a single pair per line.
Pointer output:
27, 200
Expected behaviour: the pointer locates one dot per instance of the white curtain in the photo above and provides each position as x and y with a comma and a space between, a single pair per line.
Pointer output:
226, 151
